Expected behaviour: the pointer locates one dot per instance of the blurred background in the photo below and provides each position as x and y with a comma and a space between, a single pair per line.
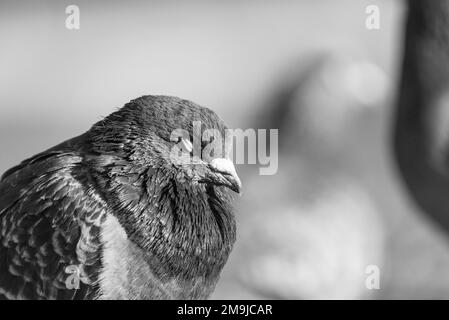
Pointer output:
309, 68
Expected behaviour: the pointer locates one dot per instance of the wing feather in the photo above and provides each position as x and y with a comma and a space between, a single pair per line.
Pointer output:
50, 217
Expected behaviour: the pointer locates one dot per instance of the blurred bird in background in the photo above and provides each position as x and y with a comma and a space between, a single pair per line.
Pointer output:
421, 139
311, 230
112, 207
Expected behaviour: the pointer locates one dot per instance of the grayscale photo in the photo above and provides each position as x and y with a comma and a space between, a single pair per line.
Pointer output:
239, 152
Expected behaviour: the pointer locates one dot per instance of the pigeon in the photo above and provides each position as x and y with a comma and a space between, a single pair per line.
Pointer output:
115, 214
421, 130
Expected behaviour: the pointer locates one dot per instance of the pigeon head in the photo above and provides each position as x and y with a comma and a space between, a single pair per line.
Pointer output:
162, 163
170, 134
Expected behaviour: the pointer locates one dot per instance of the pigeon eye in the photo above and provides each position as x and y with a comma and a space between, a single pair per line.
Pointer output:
186, 145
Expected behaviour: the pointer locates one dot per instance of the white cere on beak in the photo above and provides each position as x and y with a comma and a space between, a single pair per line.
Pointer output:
225, 166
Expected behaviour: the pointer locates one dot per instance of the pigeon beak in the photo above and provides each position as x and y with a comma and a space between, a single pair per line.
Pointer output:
225, 168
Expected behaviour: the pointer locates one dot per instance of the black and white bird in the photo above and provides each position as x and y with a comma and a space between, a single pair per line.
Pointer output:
111, 215
421, 133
